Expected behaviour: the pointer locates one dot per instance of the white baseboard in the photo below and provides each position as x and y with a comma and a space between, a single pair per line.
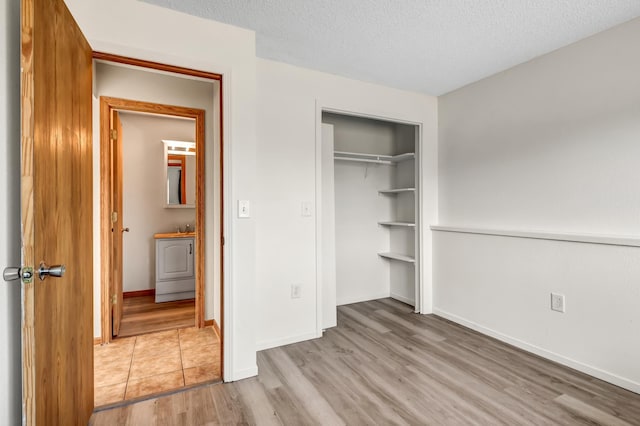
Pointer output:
577, 365
362, 299
268, 344
403, 299
244, 374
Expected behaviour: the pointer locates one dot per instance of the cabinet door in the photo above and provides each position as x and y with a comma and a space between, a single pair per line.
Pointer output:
174, 258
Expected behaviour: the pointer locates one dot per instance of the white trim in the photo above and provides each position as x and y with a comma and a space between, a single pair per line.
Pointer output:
268, 344
318, 166
577, 365
357, 111
420, 294
613, 240
243, 374
361, 299
402, 299
228, 289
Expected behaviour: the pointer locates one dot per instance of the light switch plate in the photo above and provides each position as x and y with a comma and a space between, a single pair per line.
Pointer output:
306, 209
244, 208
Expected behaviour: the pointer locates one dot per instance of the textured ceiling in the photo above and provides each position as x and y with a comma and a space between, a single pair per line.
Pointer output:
430, 46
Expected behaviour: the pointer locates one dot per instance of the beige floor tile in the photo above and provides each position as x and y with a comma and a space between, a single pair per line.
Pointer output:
154, 384
111, 372
156, 349
200, 355
109, 394
156, 342
152, 363
202, 373
115, 349
192, 337
152, 366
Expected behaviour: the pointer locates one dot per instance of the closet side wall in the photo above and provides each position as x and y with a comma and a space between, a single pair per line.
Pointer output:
360, 273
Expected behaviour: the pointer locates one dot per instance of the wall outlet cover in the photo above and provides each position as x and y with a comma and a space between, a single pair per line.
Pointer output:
557, 302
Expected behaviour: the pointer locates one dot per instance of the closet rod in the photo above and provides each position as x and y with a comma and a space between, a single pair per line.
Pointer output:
362, 160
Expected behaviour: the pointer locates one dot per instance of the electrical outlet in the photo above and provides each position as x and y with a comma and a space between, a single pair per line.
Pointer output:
557, 302
295, 291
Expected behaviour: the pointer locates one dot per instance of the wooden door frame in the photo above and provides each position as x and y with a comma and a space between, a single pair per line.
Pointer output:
107, 105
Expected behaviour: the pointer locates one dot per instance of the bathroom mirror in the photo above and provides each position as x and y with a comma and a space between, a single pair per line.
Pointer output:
180, 174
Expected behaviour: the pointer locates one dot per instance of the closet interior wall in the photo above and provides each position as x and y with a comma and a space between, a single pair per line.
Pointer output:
361, 273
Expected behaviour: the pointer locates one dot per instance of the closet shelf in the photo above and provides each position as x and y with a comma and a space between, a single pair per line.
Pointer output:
398, 223
398, 256
372, 158
396, 191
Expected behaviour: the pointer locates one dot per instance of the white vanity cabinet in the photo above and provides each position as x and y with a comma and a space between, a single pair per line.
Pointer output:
175, 272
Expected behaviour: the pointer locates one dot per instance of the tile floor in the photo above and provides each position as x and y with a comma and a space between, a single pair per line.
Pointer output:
143, 365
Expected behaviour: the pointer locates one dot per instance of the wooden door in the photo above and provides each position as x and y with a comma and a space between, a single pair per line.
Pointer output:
56, 209
117, 225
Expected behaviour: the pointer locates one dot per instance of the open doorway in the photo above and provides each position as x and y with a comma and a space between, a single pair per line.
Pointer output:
160, 176
157, 208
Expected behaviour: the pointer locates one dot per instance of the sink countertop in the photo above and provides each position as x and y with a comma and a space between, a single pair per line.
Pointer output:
174, 235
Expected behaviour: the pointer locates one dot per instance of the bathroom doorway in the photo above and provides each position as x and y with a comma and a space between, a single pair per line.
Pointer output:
156, 256
160, 171
153, 158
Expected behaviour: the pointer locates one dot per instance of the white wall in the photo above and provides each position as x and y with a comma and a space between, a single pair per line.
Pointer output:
548, 145
360, 273
144, 193
153, 33
10, 361
286, 241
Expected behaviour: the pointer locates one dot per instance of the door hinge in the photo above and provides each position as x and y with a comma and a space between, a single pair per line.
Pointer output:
223, 240
114, 300
114, 217
114, 134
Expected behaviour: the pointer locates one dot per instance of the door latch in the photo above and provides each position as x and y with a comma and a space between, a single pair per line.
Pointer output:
12, 273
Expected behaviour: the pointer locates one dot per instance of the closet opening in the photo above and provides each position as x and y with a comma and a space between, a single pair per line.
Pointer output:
370, 211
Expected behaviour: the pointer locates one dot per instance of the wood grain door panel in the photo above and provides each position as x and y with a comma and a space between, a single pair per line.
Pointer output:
118, 226
56, 180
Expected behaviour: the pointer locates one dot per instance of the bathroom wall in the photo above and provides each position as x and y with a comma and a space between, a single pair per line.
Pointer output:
144, 192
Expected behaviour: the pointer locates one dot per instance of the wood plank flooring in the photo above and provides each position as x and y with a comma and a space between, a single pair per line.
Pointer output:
141, 315
385, 365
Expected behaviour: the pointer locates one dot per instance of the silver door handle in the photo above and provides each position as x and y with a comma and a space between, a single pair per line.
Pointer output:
55, 271
12, 273
125, 229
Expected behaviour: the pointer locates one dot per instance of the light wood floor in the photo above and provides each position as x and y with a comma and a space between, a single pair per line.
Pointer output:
386, 365
141, 315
